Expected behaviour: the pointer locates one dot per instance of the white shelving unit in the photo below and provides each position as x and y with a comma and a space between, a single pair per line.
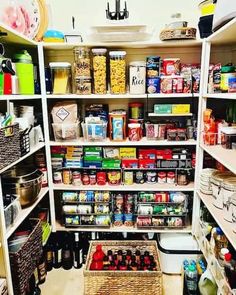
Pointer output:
170, 115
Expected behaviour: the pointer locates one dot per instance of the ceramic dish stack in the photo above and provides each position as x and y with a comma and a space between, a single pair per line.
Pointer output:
205, 181
120, 33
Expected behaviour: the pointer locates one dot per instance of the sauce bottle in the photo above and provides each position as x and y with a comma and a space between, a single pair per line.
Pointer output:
106, 263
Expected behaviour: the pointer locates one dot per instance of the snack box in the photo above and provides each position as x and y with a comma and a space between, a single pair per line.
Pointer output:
74, 149
92, 164
92, 149
129, 163
164, 154
147, 154
147, 163
93, 158
111, 163
58, 150
180, 108
127, 153
163, 108
78, 164
111, 152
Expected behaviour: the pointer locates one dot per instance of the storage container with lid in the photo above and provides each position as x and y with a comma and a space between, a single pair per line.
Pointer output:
174, 249
228, 137
228, 192
227, 71
117, 72
137, 77
61, 77
233, 206
83, 85
100, 70
217, 180
82, 62
136, 110
205, 181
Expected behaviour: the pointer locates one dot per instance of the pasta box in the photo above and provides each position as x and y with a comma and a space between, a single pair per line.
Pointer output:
163, 108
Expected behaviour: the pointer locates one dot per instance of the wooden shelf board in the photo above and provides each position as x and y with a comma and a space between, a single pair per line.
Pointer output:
218, 215
173, 95
133, 187
32, 151
224, 156
26, 211
108, 142
19, 97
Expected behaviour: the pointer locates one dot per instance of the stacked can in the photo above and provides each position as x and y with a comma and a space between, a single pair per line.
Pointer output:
153, 73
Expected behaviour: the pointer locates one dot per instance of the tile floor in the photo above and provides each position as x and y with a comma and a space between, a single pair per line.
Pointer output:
62, 282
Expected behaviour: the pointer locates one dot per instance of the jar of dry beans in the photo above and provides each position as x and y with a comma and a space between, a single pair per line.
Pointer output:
117, 72
99, 70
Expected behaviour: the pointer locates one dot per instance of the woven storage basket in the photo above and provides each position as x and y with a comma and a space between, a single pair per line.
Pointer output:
175, 34
23, 262
9, 145
123, 282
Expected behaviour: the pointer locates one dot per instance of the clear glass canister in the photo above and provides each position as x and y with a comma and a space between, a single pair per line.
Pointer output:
83, 85
117, 72
137, 77
99, 70
82, 62
61, 77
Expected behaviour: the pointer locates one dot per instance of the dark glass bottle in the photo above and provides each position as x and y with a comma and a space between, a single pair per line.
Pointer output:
85, 244
67, 256
77, 252
41, 269
49, 255
56, 252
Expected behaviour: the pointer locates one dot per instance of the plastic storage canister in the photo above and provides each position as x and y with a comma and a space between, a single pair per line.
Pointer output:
228, 136
117, 72
61, 77
99, 70
137, 77
136, 110
228, 191
83, 85
25, 72
82, 62
227, 72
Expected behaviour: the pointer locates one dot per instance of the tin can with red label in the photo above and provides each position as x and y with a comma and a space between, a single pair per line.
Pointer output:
135, 132
92, 178
85, 178
161, 177
170, 177
101, 178
76, 178
178, 84
67, 176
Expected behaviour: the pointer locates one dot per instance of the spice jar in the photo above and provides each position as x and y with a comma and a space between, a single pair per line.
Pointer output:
137, 77
99, 70
182, 178
61, 77
117, 72
82, 62
83, 85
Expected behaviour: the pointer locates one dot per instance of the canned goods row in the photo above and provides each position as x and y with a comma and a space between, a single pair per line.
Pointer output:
144, 221
123, 219
162, 197
76, 220
150, 177
86, 209
86, 196
161, 209
124, 203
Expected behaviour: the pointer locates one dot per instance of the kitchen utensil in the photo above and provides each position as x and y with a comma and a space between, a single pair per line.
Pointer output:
24, 182
118, 14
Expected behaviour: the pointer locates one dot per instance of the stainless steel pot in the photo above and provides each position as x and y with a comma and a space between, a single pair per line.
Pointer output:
23, 182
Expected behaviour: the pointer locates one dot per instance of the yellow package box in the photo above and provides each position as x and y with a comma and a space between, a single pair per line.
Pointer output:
127, 153
180, 108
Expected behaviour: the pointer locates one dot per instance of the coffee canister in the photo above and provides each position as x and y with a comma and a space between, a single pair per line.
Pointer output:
137, 77
228, 192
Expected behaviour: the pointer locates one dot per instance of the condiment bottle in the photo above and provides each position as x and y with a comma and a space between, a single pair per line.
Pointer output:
134, 266
115, 259
128, 256
109, 254
112, 266
98, 255
106, 263
146, 257
119, 255
123, 265
137, 253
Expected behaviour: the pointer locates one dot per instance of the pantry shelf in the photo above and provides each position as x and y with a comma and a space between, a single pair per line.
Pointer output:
219, 217
25, 212
133, 187
225, 156
126, 229
32, 151
220, 95
95, 96
173, 95
143, 142
169, 115
225, 35
15, 37
19, 97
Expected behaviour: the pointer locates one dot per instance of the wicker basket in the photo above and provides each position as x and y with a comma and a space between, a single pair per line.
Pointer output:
178, 34
123, 282
9, 145
23, 262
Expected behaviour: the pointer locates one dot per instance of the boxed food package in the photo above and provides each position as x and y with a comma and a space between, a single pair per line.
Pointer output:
180, 108
127, 153
3, 286
65, 112
163, 108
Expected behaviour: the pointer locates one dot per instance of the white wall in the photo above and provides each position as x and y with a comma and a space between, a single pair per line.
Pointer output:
154, 13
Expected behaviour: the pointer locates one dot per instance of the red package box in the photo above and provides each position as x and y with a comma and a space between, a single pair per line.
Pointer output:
147, 154
147, 163
129, 163
164, 154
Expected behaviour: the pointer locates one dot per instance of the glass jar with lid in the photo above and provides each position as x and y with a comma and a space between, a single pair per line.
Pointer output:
82, 62
117, 72
99, 70
83, 85
61, 77
137, 77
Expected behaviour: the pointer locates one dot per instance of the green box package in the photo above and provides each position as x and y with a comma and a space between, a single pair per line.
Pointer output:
111, 163
162, 108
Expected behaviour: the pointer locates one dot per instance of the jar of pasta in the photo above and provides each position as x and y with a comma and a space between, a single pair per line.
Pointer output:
83, 85
117, 72
99, 70
82, 62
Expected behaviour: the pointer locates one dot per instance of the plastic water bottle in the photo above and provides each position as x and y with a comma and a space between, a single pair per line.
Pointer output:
191, 276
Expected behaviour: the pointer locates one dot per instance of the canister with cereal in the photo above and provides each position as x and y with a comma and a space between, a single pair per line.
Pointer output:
117, 72
99, 70
82, 62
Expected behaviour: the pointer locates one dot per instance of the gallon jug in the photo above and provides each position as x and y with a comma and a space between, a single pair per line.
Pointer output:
25, 72
207, 284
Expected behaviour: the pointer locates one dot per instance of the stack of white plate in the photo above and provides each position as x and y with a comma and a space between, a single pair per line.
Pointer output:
120, 33
205, 181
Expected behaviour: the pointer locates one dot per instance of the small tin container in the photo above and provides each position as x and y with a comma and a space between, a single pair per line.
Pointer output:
92, 178
57, 177
151, 177
76, 178
85, 178
67, 176
101, 178
139, 177
161, 177
170, 177
128, 177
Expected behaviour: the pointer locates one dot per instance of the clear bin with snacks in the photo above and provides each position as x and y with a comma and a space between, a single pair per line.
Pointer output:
99, 70
117, 72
